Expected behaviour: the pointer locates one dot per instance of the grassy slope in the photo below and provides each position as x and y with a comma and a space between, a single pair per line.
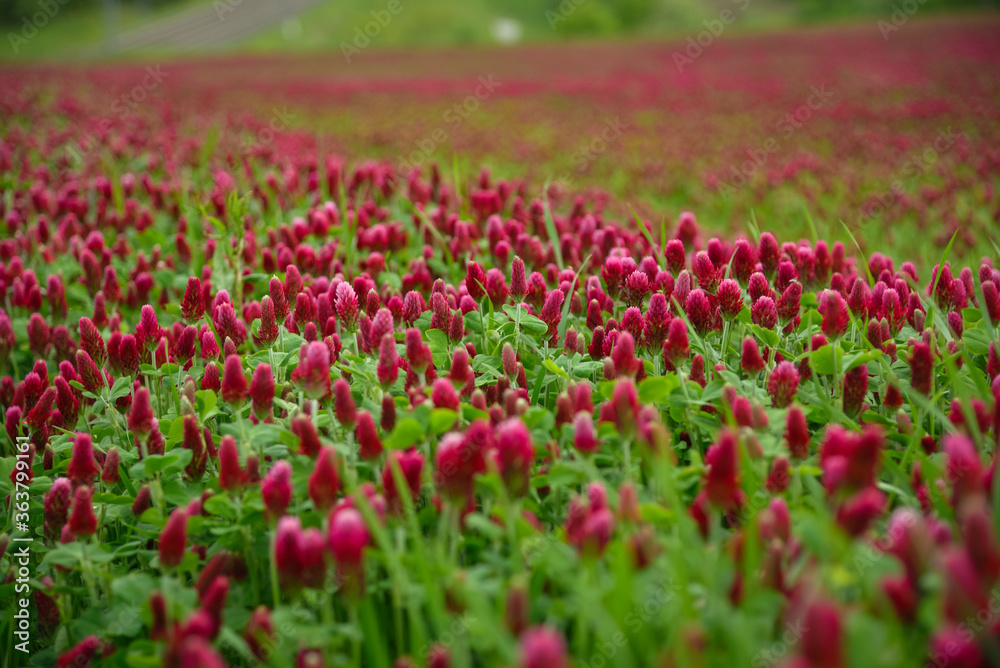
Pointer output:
435, 23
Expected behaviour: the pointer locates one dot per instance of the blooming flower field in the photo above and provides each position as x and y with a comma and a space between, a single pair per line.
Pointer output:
268, 405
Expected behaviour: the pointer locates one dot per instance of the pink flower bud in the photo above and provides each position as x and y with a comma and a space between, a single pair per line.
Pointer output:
584, 434
348, 536
730, 298
676, 348
514, 455
722, 480
542, 647
855, 389
230, 472
276, 489
324, 482
110, 473
675, 256
443, 395
80, 655
347, 307
192, 307
82, 467
388, 361
750, 361
475, 281
834, 312
343, 404
764, 313
411, 464
769, 252
704, 270
921, 368
92, 341
147, 332
699, 311
141, 420
57, 505
369, 444
262, 391
797, 433
82, 521
259, 633
783, 384
459, 459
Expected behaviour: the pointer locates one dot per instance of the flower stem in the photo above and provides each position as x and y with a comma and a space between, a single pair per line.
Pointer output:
273, 568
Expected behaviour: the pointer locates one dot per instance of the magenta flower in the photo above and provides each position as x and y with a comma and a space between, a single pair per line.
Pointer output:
514, 455
312, 375
764, 313
542, 647
783, 384
730, 298
147, 332
276, 489
234, 388
262, 391
834, 312
699, 311
173, 539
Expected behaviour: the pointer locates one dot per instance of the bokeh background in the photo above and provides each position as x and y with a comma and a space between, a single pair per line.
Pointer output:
871, 118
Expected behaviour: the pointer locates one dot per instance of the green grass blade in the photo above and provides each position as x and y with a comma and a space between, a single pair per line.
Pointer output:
657, 251
550, 229
861, 253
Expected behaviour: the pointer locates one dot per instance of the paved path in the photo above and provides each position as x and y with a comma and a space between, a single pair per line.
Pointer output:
209, 26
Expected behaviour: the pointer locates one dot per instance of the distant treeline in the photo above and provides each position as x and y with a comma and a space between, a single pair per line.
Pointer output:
13, 12
564, 17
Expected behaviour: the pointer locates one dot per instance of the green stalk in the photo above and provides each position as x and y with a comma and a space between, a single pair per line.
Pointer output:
726, 335
273, 568
352, 611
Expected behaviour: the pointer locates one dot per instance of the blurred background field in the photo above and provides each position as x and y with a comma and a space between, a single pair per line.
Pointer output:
877, 119
88, 26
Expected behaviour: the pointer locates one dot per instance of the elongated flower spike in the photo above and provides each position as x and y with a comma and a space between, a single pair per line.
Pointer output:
141, 419
147, 332
730, 298
750, 360
173, 539
835, 316
797, 433
676, 347
312, 375
276, 489
234, 388
343, 404
82, 467
783, 384
369, 443
192, 307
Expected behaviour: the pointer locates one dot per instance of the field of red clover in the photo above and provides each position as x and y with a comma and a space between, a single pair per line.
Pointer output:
271, 399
